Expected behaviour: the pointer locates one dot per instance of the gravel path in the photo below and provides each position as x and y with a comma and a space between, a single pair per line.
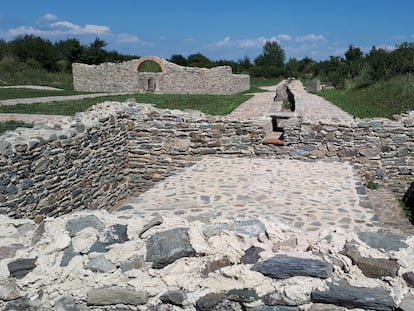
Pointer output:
49, 99
32, 87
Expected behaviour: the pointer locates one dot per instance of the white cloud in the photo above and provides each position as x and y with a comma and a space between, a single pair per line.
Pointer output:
50, 27
218, 44
69, 28
310, 38
284, 37
252, 43
247, 43
60, 29
127, 38
50, 17
399, 37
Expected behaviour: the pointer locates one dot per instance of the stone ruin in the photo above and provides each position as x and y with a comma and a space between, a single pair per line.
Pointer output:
172, 79
90, 259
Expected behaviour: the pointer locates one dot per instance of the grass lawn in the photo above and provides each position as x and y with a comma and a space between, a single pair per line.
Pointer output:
382, 99
11, 125
209, 104
257, 82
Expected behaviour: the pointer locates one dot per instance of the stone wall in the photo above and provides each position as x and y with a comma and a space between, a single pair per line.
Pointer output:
162, 141
107, 77
382, 150
65, 166
174, 79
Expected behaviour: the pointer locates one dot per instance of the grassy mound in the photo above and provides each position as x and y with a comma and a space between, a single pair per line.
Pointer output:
382, 99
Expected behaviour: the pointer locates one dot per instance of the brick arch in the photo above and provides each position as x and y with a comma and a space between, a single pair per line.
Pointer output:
154, 59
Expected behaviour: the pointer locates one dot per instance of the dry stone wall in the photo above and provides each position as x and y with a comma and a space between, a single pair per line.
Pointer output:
382, 150
174, 79
64, 166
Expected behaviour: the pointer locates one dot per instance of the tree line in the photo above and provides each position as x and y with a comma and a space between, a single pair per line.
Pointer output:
38, 53
355, 69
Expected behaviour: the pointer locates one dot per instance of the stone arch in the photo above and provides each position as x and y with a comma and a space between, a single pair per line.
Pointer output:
154, 59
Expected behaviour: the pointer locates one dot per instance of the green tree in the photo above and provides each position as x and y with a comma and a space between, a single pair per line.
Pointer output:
68, 51
270, 63
199, 60
178, 59
353, 54
3, 48
244, 65
378, 61
272, 55
306, 67
354, 61
95, 54
336, 71
35, 51
292, 67
402, 59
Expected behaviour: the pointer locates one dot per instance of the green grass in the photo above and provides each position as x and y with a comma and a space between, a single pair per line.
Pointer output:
29, 93
17, 74
382, 99
258, 82
209, 104
408, 212
12, 125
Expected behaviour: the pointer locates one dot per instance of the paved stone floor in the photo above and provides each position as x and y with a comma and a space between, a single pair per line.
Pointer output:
305, 195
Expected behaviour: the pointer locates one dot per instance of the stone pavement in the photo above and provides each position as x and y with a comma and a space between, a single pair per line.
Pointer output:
309, 106
305, 195
256, 107
314, 108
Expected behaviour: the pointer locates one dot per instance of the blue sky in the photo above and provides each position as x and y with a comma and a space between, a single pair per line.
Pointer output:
219, 29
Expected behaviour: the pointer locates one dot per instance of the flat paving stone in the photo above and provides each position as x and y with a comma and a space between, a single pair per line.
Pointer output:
297, 193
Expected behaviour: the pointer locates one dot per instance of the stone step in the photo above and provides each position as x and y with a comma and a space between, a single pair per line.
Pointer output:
273, 138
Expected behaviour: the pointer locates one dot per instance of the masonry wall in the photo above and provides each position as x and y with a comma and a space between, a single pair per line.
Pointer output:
164, 141
67, 166
174, 79
107, 77
382, 150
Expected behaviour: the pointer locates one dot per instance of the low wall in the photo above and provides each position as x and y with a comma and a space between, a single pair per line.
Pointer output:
67, 166
381, 149
162, 141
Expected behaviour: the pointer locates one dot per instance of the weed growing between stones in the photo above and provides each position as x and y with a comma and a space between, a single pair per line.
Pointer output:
408, 212
372, 185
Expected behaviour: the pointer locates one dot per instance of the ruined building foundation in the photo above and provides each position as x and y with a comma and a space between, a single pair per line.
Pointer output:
173, 79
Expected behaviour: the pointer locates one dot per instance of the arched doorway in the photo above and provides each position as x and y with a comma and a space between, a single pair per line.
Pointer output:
150, 71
